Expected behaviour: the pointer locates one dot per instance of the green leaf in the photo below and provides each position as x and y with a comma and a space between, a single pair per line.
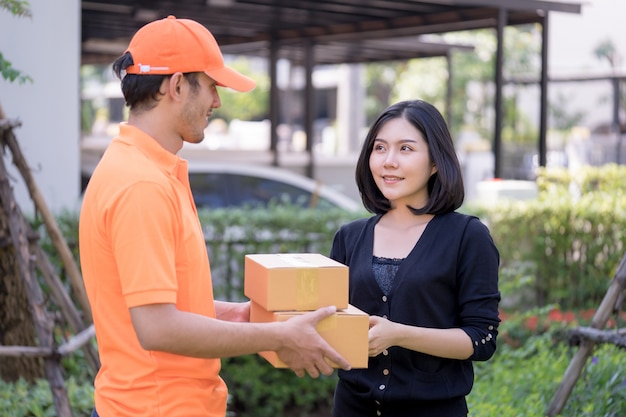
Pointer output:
19, 8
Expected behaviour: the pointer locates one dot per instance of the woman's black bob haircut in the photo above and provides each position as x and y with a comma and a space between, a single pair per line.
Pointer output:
445, 187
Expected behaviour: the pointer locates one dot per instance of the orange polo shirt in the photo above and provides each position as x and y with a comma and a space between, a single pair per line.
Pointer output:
141, 243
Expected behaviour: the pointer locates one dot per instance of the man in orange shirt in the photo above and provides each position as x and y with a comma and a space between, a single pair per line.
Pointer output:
160, 333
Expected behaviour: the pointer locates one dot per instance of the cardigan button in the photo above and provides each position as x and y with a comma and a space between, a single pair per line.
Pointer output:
384, 298
385, 372
385, 352
381, 387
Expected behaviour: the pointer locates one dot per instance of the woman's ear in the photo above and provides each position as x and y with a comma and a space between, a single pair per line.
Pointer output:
433, 169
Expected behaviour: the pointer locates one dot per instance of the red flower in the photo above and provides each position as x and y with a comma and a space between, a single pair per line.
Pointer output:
555, 315
587, 314
569, 317
531, 322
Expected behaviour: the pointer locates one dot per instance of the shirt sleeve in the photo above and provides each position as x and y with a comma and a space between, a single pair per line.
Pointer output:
142, 224
479, 295
338, 248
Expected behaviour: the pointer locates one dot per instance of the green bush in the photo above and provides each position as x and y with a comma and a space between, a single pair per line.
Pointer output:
563, 249
607, 178
233, 233
517, 382
521, 382
566, 243
257, 389
21, 399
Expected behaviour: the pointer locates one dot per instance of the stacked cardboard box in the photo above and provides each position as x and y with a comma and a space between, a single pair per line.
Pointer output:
281, 286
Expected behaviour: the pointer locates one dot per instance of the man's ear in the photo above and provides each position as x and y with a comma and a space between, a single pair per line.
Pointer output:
174, 85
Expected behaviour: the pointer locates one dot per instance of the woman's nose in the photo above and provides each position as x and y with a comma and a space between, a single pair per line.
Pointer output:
390, 160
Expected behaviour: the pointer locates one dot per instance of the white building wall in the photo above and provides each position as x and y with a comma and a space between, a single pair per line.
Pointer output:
573, 39
46, 47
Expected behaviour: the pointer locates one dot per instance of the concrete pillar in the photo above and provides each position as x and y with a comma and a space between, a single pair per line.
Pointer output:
350, 108
46, 47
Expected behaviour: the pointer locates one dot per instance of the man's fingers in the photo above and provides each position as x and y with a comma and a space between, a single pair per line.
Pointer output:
325, 368
331, 354
316, 356
338, 360
313, 372
321, 313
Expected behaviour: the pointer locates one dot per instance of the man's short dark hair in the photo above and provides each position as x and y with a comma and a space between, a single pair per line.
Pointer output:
142, 92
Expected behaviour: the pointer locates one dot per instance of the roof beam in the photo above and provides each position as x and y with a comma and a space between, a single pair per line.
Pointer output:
515, 4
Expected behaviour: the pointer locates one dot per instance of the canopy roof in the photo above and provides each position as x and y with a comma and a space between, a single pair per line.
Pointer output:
343, 31
313, 32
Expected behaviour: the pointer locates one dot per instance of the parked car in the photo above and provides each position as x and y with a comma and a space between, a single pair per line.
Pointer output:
219, 185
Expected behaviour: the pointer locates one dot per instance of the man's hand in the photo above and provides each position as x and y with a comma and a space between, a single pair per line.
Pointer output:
304, 350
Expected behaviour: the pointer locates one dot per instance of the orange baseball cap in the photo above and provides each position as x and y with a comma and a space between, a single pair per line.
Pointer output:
173, 45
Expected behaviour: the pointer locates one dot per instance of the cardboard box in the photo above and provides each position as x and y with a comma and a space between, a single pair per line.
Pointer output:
295, 281
346, 331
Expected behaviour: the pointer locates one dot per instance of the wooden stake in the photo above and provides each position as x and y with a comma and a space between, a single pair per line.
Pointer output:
607, 307
43, 322
52, 227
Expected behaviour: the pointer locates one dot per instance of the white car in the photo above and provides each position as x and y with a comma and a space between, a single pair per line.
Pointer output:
218, 185
237, 183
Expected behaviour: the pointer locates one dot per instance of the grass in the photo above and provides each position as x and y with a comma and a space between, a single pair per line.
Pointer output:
519, 381
524, 374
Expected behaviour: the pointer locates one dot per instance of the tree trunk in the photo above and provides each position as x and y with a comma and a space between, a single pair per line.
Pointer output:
16, 323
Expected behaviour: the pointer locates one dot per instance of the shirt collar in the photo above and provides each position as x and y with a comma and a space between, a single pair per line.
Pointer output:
136, 137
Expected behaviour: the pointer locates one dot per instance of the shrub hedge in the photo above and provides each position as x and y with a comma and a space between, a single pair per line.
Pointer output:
560, 249
567, 243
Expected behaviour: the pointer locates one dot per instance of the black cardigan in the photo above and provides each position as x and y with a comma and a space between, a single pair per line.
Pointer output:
450, 279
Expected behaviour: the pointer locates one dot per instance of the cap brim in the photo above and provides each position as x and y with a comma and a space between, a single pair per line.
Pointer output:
230, 78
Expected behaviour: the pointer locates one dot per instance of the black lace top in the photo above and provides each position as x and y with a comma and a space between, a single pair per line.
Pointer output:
385, 270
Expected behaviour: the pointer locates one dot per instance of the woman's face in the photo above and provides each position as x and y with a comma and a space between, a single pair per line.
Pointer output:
400, 164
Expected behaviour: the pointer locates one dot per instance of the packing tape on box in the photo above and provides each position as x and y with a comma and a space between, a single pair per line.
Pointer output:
307, 280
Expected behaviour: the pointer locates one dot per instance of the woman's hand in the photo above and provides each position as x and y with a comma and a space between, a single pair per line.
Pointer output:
381, 335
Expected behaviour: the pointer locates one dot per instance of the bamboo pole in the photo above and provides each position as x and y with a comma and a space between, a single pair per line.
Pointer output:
613, 337
607, 307
68, 309
58, 291
49, 220
43, 323
74, 343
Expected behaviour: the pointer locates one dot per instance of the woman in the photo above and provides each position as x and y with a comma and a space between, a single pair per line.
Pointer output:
427, 275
